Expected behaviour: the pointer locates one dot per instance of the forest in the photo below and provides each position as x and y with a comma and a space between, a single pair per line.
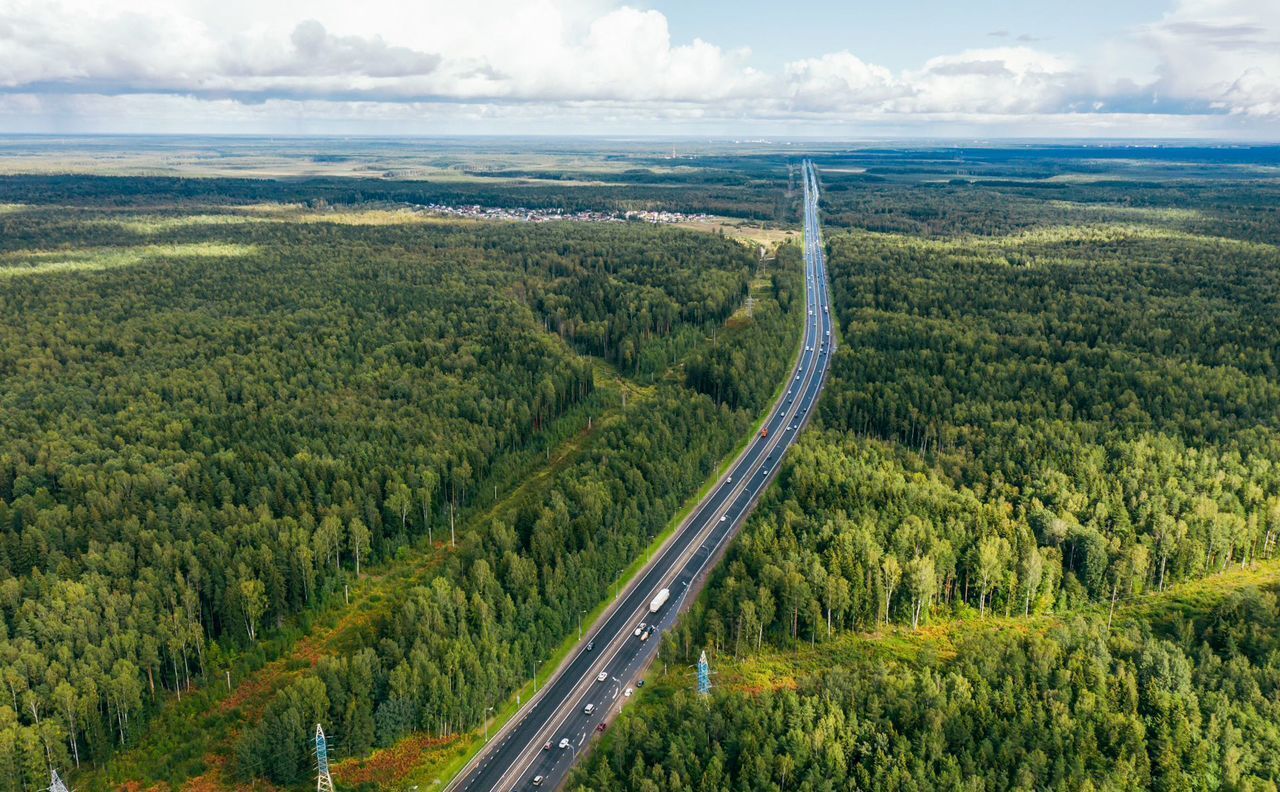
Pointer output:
754, 200
1189, 702
211, 427
1016, 425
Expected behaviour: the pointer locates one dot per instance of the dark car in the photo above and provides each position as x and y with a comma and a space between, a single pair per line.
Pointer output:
591, 645
600, 726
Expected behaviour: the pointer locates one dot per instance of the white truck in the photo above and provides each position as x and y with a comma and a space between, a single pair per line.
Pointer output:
659, 600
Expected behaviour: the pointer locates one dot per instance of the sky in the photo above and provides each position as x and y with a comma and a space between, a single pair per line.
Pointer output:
1197, 69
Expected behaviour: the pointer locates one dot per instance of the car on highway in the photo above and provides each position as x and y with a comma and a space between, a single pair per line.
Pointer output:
547, 747
600, 726
602, 676
564, 743
639, 683
537, 780
628, 692
591, 645
590, 708
640, 629
644, 636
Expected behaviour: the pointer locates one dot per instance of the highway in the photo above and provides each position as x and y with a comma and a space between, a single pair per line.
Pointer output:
604, 676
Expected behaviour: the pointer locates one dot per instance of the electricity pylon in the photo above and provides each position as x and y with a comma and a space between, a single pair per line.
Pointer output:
55, 782
704, 675
324, 781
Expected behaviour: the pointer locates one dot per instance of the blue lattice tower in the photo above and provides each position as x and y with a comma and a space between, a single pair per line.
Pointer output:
324, 781
55, 782
704, 675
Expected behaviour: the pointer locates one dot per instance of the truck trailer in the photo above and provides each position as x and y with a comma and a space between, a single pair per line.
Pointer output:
659, 600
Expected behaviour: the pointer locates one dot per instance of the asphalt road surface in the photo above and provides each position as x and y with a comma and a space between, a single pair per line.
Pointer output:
603, 676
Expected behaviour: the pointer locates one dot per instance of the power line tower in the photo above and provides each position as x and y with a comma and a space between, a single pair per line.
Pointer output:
704, 675
324, 781
55, 782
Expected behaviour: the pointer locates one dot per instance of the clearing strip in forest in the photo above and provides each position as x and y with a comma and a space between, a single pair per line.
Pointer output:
199, 729
774, 669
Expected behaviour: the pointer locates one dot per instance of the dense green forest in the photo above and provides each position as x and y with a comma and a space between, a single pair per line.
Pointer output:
1020, 424
1191, 702
765, 200
211, 426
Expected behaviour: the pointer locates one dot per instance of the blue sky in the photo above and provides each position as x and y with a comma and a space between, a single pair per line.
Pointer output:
922, 68
904, 34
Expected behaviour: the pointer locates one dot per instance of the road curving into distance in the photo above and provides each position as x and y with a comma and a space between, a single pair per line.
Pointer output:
517, 755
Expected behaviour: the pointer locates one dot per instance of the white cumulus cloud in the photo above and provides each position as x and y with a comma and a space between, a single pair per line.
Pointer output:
1224, 53
508, 59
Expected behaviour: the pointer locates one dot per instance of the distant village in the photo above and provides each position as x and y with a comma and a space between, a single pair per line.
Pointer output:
523, 215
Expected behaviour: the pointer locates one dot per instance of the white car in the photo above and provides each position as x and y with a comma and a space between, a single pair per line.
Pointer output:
590, 708
722, 518
564, 743
537, 780
628, 692
602, 676
639, 629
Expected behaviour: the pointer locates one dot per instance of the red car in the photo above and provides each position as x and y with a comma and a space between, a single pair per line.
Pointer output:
600, 726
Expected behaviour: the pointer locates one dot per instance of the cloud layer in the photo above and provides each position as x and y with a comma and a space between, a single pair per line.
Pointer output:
503, 59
